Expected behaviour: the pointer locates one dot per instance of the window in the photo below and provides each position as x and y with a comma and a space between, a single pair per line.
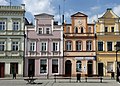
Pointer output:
2, 46
81, 29
2, 25
43, 66
112, 29
54, 65
14, 46
55, 46
76, 30
118, 43
68, 45
68, 30
109, 66
13, 68
100, 46
89, 29
89, 46
78, 45
106, 29
15, 25
43, 46
47, 30
109, 46
32, 46
40, 31
78, 66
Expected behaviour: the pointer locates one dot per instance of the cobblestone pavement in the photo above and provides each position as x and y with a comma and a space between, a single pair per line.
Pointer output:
63, 82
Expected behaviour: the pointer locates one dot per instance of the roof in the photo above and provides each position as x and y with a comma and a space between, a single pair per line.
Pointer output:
79, 14
109, 14
44, 14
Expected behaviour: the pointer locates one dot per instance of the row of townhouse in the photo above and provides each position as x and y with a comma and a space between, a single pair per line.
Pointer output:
46, 48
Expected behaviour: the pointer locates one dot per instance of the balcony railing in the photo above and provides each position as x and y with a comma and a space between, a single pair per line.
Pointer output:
11, 32
10, 8
108, 33
79, 34
11, 53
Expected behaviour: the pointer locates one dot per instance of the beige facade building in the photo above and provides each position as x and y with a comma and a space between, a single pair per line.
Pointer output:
108, 35
79, 46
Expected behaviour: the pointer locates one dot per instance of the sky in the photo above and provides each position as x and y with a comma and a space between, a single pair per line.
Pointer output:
93, 8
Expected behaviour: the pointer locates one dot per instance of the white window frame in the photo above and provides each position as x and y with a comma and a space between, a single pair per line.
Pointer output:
40, 30
55, 46
58, 66
3, 25
41, 45
68, 45
110, 66
79, 45
15, 26
46, 67
32, 46
15, 44
89, 44
47, 30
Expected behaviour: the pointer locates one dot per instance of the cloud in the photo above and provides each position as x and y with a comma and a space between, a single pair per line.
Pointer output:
116, 10
4, 2
39, 6
95, 8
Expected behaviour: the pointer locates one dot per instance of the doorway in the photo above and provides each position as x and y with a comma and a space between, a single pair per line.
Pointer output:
31, 67
2, 70
90, 68
68, 68
100, 69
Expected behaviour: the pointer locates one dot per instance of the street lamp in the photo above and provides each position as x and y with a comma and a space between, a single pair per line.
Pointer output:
117, 67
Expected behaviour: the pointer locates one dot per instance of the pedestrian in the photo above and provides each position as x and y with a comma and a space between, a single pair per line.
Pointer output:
14, 75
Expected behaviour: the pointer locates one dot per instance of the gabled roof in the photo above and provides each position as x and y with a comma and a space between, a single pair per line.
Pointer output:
109, 14
44, 14
79, 14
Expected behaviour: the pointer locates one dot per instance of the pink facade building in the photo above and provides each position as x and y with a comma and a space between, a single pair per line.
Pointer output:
44, 47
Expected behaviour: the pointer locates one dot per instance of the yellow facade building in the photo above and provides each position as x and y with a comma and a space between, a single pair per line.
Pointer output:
79, 46
108, 35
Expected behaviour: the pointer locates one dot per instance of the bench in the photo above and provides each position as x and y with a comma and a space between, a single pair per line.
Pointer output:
62, 76
30, 80
93, 77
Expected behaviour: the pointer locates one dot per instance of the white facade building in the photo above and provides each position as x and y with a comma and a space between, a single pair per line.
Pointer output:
11, 40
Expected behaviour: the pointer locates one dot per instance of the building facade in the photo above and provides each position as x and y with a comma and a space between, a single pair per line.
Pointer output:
44, 47
11, 40
79, 46
108, 35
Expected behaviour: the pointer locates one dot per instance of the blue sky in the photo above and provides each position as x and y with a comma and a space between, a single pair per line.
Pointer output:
92, 8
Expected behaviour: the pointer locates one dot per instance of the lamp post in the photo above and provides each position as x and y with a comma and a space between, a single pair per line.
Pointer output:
117, 67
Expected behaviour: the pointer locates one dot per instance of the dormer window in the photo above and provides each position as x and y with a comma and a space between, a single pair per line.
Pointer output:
89, 29
106, 29
47, 30
40, 31
76, 30
112, 29
82, 30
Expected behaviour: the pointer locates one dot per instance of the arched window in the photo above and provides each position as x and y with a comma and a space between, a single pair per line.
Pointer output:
78, 45
68, 30
89, 29
68, 45
82, 31
78, 66
89, 45
76, 30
